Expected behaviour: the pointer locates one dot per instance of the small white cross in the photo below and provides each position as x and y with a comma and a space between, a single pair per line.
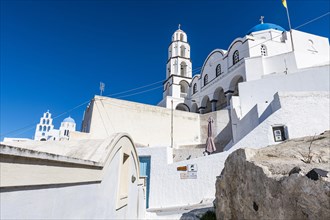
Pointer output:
261, 19
179, 26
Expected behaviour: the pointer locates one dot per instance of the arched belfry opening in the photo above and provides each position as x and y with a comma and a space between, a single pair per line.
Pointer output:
183, 69
183, 51
184, 86
181, 37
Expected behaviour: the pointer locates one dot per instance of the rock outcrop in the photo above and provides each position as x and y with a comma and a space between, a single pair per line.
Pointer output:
255, 183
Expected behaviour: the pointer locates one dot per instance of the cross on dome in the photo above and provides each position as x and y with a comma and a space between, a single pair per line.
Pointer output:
179, 26
261, 19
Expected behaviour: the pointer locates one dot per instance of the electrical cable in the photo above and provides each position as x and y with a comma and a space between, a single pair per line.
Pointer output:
70, 110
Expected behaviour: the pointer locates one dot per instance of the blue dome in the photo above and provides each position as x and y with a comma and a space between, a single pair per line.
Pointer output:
265, 26
69, 119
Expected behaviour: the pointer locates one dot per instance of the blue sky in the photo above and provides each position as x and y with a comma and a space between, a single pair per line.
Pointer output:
54, 53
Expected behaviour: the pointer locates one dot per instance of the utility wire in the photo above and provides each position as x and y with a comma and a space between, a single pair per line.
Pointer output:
28, 127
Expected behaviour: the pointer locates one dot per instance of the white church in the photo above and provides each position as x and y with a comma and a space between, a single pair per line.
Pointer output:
268, 86
45, 128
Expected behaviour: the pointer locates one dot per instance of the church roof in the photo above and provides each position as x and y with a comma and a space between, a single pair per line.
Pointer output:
265, 26
69, 119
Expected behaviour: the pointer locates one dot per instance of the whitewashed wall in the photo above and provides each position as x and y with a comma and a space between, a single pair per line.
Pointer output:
167, 189
303, 113
261, 91
53, 188
148, 125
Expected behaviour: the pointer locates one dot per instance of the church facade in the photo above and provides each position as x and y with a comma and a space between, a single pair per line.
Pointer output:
265, 50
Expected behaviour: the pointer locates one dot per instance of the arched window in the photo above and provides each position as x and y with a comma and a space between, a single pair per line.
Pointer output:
235, 57
181, 37
183, 51
40, 128
43, 121
48, 128
263, 50
182, 89
48, 121
47, 114
195, 88
183, 69
167, 92
218, 70
45, 128
206, 79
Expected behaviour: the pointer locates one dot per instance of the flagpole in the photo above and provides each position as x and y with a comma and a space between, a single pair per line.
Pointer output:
287, 13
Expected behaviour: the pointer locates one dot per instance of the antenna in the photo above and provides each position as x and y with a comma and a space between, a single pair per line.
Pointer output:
102, 86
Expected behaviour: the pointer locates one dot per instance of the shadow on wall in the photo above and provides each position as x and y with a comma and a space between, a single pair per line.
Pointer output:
223, 138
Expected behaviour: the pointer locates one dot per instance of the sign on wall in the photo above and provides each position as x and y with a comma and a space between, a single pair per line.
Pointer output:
189, 171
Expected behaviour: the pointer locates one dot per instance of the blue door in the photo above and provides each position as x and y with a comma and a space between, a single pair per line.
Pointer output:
145, 172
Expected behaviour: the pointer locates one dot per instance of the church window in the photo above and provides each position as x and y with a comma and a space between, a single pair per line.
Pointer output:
48, 128
43, 121
48, 121
235, 57
47, 114
218, 70
195, 88
263, 50
44, 129
206, 80
40, 128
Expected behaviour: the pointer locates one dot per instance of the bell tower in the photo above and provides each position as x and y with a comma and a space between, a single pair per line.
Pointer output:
179, 62
178, 70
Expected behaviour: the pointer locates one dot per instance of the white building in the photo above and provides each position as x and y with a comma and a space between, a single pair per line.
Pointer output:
259, 92
265, 50
45, 128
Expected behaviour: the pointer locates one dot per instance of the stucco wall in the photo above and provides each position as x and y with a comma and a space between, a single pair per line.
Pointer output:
148, 125
311, 79
51, 195
303, 113
167, 189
